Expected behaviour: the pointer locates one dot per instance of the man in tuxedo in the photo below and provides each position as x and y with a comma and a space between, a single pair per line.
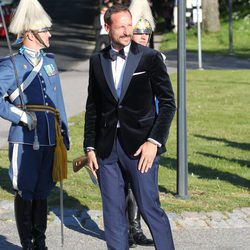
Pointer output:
124, 136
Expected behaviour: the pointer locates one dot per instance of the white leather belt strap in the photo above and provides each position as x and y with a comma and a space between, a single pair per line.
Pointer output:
27, 81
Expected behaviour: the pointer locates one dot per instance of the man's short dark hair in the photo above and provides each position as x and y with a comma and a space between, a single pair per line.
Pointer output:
114, 9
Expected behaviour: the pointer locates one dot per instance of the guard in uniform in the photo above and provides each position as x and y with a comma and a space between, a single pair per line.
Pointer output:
31, 98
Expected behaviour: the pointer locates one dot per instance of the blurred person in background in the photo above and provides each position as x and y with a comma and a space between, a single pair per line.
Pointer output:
167, 12
126, 2
102, 38
151, 39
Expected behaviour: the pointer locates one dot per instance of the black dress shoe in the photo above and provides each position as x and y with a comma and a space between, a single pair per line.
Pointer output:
131, 242
142, 240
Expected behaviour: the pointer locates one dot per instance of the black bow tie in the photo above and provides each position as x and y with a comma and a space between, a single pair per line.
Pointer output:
113, 54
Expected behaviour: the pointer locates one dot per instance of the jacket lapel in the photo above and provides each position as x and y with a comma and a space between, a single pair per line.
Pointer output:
106, 66
134, 57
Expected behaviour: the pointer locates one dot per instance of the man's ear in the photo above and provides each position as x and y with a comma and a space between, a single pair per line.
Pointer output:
107, 27
30, 36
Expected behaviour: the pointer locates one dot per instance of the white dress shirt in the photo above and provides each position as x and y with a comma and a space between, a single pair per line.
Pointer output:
118, 67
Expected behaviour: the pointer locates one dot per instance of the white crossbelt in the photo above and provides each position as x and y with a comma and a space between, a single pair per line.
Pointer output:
27, 81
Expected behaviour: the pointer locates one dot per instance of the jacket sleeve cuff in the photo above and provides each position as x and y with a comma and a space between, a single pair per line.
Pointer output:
16, 114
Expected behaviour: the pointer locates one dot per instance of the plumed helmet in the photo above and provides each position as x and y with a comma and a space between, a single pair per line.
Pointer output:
29, 16
142, 18
142, 27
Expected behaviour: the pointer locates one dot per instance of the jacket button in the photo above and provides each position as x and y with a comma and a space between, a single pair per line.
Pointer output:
120, 107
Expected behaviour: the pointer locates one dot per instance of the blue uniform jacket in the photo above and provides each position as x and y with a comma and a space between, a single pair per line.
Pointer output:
45, 89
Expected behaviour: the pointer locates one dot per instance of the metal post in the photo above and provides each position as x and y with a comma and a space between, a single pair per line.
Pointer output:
182, 170
198, 5
230, 2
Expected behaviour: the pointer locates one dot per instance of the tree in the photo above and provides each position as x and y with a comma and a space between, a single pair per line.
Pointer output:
211, 16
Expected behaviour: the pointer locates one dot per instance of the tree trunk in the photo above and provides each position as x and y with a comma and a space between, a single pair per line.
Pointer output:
211, 15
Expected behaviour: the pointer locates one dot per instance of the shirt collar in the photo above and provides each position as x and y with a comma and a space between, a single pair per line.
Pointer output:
126, 49
31, 52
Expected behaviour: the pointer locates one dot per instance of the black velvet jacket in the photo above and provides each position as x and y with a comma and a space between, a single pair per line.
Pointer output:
145, 78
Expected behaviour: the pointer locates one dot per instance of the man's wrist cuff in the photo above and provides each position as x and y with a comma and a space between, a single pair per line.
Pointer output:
154, 142
88, 149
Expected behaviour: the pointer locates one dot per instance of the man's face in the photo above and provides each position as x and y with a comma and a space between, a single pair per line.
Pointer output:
120, 30
141, 38
31, 41
45, 36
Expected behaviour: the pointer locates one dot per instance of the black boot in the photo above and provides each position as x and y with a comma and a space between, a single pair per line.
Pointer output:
23, 214
39, 224
134, 219
141, 239
131, 242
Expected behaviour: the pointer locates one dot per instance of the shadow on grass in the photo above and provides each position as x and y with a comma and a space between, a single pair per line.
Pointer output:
76, 219
4, 244
5, 182
205, 172
162, 189
243, 163
238, 145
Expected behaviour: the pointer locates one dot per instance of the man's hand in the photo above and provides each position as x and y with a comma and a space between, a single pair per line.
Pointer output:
148, 152
92, 161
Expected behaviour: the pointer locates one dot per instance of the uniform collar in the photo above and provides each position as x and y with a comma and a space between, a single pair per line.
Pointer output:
31, 55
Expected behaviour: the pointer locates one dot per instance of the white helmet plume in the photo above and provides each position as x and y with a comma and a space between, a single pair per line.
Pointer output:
29, 15
140, 9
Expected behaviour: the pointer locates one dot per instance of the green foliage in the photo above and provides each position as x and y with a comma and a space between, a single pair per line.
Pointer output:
215, 42
241, 9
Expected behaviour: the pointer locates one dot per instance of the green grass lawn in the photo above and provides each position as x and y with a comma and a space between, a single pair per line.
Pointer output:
218, 143
215, 42
218, 150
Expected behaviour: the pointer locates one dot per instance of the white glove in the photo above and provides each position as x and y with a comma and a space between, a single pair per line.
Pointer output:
29, 119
